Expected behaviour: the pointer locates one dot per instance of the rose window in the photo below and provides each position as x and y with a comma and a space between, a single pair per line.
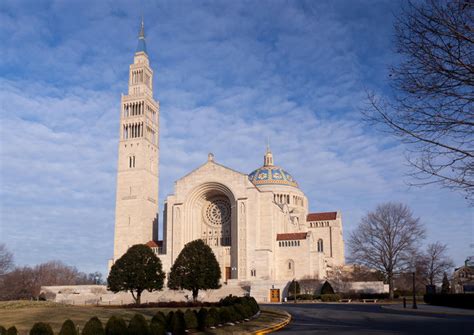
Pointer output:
217, 212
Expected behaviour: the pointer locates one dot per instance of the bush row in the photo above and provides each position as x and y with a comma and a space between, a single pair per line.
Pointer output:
360, 296
322, 297
232, 309
332, 297
451, 300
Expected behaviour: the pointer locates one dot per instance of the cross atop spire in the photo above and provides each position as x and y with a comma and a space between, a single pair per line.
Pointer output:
141, 47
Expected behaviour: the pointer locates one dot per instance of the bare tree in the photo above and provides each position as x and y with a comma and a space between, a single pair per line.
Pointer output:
437, 262
432, 106
25, 282
6, 260
386, 239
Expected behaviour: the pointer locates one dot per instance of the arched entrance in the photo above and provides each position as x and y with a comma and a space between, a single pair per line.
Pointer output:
211, 215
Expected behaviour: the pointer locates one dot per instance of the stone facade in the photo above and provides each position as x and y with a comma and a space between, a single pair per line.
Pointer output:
137, 172
257, 224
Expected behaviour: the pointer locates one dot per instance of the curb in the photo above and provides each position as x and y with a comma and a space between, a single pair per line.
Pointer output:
425, 312
275, 327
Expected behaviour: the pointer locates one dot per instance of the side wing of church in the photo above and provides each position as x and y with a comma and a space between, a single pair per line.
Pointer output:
257, 224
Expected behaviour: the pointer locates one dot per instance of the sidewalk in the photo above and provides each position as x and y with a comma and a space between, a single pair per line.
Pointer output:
430, 309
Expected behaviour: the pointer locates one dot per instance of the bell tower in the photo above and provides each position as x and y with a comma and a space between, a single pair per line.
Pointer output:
136, 205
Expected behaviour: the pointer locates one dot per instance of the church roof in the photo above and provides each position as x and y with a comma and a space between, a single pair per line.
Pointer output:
270, 174
155, 244
321, 216
291, 236
141, 46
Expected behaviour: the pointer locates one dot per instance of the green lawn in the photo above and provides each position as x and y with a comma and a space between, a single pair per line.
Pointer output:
23, 314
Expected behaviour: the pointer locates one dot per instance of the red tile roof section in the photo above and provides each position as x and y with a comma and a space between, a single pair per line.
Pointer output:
321, 216
291, 236
155, 244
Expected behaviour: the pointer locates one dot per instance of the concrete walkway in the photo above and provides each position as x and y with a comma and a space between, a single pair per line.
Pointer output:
430, 309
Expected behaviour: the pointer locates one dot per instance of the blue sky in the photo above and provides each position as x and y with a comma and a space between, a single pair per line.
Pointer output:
228, 75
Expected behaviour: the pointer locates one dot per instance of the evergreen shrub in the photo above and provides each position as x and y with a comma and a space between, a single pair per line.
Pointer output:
3, 330
157, 328
12, 331
169, 319
214, 313
178, 326
93, 327
68, 328
160, 318
224, 315
39, 328
116, 326
330, 297
138, 326
201, 316
460, 300
190, 319
210, 320
327, 288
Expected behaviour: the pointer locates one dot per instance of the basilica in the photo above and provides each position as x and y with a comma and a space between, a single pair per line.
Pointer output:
257, 224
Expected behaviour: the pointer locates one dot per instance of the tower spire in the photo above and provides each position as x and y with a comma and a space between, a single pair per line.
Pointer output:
141, 47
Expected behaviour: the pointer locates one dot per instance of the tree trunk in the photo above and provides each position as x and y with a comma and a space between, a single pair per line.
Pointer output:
138, 299
390, 286
195, 294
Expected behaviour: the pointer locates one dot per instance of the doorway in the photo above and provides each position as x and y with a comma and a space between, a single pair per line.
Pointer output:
274, 295
228, 273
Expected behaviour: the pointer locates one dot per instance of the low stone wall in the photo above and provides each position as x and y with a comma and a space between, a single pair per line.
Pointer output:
99, 295
367, 287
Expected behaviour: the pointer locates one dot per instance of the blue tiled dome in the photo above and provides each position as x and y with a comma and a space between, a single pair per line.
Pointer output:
270, 174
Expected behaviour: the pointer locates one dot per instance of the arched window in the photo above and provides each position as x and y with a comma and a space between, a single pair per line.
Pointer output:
320, 245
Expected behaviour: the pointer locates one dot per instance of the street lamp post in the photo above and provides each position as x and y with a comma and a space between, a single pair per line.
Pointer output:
294, 289
414, 291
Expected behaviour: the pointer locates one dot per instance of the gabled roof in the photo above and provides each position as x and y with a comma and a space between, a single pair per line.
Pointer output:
321, 216
155, 244
291, 236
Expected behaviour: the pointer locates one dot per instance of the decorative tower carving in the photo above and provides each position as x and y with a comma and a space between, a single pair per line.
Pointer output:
136, 204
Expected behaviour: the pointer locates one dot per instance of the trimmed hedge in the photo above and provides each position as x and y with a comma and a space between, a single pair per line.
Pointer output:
160, 318
138, 326
459, 300
157, 328
213, 318
360, 296
202, 316
68, 328
190, 319
93, 327
326, 288
224, 315
304, 297
178, 326
116, 326
229, 309
330, 297
39, 328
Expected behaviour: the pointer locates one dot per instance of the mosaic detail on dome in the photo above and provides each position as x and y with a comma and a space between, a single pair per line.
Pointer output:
272, 175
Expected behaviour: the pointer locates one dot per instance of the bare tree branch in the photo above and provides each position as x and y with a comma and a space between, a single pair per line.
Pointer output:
431, 109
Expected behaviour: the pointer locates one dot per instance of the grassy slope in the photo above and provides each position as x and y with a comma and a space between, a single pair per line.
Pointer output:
24, 314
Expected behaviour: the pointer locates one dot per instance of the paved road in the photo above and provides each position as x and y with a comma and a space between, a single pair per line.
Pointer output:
369, 319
